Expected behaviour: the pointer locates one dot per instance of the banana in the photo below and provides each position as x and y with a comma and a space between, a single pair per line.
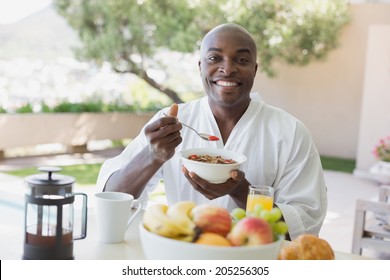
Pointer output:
157, 221
172, 222
180, 213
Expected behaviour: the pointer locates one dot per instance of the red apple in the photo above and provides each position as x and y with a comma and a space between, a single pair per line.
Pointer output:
212, 218
251, 231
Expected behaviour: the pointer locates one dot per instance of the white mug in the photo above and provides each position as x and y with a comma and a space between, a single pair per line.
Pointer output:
114, 215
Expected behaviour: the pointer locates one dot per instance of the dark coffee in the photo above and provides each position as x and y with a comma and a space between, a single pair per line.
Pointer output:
45, 236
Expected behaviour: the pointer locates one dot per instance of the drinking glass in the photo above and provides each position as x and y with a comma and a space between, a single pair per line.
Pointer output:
260, 194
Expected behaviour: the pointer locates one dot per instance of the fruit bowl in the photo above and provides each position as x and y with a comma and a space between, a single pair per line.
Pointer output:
213, 172
157, 247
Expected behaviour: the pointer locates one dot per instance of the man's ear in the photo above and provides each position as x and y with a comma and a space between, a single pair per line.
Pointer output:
256, 69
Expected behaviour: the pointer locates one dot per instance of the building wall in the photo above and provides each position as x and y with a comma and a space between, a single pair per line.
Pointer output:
327, 95
375, 113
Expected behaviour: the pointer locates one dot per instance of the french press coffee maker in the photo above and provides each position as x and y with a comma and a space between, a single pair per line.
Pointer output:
49, 216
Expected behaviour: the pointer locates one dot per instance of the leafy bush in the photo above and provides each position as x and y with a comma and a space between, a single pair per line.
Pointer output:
45, 108
27, 108
119, 107
78, 107
91, 106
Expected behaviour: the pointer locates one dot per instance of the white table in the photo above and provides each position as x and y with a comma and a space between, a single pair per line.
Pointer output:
91, 248
11, 245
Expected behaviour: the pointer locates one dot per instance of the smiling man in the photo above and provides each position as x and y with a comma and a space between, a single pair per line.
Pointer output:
279, 149
228, 68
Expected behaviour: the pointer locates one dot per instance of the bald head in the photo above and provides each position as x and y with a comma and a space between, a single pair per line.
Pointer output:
228, 67
237, 32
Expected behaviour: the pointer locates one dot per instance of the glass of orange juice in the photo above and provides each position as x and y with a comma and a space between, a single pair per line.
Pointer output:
259, 194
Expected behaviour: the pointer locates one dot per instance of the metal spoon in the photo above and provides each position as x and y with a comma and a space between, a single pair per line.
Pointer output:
204, 136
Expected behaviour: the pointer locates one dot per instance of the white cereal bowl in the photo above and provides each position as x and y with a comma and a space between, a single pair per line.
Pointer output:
157, 247
214, 173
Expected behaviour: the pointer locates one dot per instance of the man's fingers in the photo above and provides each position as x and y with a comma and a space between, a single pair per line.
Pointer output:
197, 185
237, 175
173, 110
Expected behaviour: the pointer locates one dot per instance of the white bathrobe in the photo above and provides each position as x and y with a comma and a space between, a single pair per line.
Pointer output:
279, 149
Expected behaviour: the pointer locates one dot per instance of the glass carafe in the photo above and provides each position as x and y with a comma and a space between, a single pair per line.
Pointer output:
49, 216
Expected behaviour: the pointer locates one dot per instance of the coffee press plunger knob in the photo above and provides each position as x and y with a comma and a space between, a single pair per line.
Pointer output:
49, 170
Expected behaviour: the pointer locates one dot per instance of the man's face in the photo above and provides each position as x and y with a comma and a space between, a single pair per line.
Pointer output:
228, 67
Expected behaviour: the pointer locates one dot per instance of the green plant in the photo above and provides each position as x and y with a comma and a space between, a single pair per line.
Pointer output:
382, 149
118, 143
119, 107
27, 108
91, 106
96, 106
2, 110
294, 31
45, 108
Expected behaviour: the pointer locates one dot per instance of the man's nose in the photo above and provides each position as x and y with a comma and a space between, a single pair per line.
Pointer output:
228, 68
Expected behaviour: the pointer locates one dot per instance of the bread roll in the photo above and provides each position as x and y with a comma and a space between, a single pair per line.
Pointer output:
307, 247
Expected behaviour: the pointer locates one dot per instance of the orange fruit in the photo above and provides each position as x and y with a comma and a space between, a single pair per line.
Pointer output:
210, 238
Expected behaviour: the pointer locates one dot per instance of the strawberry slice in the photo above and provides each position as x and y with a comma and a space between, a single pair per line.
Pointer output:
193, 157
213, 138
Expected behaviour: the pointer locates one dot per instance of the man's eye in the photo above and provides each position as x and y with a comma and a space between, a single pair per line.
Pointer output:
242, 60
213, 58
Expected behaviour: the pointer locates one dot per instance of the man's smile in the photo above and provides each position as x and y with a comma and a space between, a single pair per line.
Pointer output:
227, 83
